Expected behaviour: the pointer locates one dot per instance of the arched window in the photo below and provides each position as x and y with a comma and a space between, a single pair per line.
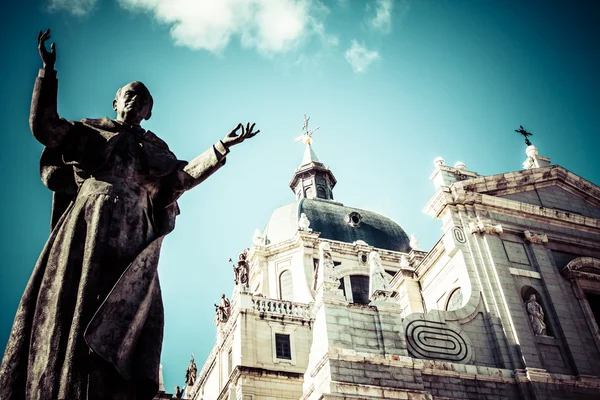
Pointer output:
286, 290
454, 300
321, 192
309, 192
584, 275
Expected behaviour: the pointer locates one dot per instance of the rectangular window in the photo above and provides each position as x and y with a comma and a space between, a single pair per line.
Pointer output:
229, 362
282, 346
360, 288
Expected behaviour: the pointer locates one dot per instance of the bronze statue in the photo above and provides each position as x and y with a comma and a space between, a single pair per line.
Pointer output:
90, 322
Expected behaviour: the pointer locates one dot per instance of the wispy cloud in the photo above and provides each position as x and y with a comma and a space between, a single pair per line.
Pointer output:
383, 15
75, 7
269, 26
360, 57
385, 11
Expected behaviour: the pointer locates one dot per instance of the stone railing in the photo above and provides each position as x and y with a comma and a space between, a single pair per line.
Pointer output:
281, 307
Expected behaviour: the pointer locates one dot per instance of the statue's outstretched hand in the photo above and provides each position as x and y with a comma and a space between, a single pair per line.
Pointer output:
48, 57
233, 138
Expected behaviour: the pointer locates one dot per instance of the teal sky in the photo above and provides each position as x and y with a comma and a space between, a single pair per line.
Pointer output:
391, 84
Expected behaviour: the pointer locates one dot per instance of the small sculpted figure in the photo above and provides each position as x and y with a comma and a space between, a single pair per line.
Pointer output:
378, 280
190, 373
241, 269
179, 392
90, 322
258, 239
304, 223
536, 316
325, 270
223, 309
414, 242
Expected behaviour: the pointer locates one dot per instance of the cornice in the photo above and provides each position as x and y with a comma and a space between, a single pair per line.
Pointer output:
485, 189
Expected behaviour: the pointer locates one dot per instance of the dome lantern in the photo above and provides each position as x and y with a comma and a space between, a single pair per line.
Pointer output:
312, 179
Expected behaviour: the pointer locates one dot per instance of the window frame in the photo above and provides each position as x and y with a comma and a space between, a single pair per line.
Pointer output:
288, 347
288, 329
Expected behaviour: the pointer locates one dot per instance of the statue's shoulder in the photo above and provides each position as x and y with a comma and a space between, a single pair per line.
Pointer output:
105, 123
155, 140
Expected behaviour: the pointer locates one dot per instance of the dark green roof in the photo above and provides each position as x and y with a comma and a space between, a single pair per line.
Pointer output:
328, 218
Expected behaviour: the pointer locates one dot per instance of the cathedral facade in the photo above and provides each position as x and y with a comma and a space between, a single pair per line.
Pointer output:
334, 302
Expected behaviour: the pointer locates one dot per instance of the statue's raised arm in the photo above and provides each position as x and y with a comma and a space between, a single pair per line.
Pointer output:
201, 167
47, 127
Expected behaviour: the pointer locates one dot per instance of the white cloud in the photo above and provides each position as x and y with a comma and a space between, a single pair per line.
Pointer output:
382, 20
270, 26
75, 7
383, 15
359, 57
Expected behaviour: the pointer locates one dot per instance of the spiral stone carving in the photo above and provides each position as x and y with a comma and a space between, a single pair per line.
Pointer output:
438, 341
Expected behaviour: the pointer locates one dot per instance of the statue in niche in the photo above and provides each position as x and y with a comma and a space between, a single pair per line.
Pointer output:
90, 322
304, 223
536, 316
190, 373
241, 270
223, 309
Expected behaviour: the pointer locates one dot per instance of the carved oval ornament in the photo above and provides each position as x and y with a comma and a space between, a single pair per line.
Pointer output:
438, 341
459, 235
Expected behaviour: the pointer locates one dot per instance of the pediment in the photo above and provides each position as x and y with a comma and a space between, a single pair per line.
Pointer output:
558, 197
551, 187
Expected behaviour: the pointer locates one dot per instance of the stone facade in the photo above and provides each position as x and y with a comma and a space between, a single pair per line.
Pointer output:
506, 305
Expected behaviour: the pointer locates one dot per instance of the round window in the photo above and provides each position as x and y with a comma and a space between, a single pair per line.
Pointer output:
353, 219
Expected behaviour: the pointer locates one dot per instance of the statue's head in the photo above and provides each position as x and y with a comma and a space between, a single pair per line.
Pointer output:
532, 297
133, 103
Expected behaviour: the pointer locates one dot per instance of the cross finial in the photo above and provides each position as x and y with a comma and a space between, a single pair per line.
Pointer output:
525, 134
306, 136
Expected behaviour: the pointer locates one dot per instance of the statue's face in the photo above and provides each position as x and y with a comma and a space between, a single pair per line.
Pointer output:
133, 103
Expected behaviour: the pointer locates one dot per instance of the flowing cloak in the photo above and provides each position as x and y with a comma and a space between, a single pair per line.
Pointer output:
91, 291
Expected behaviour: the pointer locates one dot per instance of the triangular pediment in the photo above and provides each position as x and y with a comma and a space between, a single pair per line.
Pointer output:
550, 187
557, 197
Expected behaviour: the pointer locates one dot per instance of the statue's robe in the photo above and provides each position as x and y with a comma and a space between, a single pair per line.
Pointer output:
90, 322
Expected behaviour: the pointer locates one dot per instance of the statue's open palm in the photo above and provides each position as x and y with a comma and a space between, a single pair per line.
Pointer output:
233, 138
48, 57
